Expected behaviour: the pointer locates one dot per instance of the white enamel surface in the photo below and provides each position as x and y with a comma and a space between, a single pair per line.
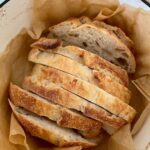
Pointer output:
1, 1
136, 3
14, 16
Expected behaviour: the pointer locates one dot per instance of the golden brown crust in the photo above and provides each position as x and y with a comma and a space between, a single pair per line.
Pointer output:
112, 119
83, 123
67, 99
96, 62
102, 78
52, 93
93, 61
82, 88
33, 103
112, 87
24, 99
36, 130
62, 116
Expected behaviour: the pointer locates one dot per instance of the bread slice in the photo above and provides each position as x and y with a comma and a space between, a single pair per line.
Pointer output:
47, 130
63, 116
84, 57
116, 30
101, 79
86, 90
95, 39
58, 95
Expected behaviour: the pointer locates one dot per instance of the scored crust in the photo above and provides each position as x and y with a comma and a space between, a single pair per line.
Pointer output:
58, 95
109, 45
63, 116
47, 130
82, 88
99, 78
87, 58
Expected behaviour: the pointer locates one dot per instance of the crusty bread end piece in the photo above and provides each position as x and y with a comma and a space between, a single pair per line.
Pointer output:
116, 30
48, 130
97, 40
63, 116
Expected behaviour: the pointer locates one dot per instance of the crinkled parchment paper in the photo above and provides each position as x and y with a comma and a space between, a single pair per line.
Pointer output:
14, 66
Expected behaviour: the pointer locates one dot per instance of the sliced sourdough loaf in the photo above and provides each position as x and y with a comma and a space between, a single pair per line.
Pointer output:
58, 95
48, 130
97, 40
82, 88
101, 79
82, 56
63, 116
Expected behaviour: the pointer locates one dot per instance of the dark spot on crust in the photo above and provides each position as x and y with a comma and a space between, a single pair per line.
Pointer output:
74, 82
47, 44
88, 27
97, 43
84, 44
81, 55
74, 34
53, 44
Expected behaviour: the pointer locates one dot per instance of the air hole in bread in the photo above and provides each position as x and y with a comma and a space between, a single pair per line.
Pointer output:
84, 44
122, 61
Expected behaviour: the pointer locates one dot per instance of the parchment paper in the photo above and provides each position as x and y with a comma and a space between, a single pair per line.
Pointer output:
14, 66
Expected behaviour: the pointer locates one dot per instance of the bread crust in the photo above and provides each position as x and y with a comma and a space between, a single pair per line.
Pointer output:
49, 135
121, 45
101, 79
89, 59
63, 116
112, 87
96, 62
60, 96
82, 88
